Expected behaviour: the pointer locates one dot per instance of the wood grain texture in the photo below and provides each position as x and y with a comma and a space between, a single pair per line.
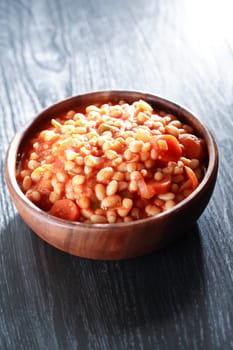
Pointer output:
180, 297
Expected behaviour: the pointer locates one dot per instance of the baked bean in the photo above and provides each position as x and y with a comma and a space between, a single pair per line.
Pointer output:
33, 164
70, 155
169, 204
98, 219
111, 216
172, 130
105, 174
112, 188
130, 167
69, 165
92, 108
87, 170
135, 175
79, 160
149, 163
78, 180
87, 213
27, 182
100, 191
34, 155
128, 219
146, 147
154, 154
144, 172
24, 173
61, 177
152, 210
158, 175
122, 167
114, 162
111, 154
93, 161
133, 187
123, 212
115, 111
83, 202
166, 196
111, 202
144, 156
34, 196
53, 197
127, 203
118, 175
135, 146
178, 170
128, 154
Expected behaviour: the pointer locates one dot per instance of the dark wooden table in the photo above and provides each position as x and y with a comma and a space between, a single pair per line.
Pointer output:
180, 297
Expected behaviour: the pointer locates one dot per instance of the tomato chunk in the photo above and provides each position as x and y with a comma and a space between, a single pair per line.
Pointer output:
193, 146
167, 146
192, 176
148, 189
65, 209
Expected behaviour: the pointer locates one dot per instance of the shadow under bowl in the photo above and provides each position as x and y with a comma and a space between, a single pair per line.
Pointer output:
120, 240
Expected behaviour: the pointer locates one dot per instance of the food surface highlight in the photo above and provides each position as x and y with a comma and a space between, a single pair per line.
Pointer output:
111, 163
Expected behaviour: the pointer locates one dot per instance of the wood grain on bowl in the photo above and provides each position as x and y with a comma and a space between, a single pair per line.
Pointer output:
120, 240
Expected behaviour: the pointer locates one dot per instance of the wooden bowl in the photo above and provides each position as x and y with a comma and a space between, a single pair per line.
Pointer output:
120, 240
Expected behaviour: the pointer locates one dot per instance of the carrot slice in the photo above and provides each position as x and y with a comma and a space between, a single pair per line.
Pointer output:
192, 176
167, 147
65, 209
148, 189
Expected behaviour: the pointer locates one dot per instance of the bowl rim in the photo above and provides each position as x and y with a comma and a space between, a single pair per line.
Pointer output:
12, 151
